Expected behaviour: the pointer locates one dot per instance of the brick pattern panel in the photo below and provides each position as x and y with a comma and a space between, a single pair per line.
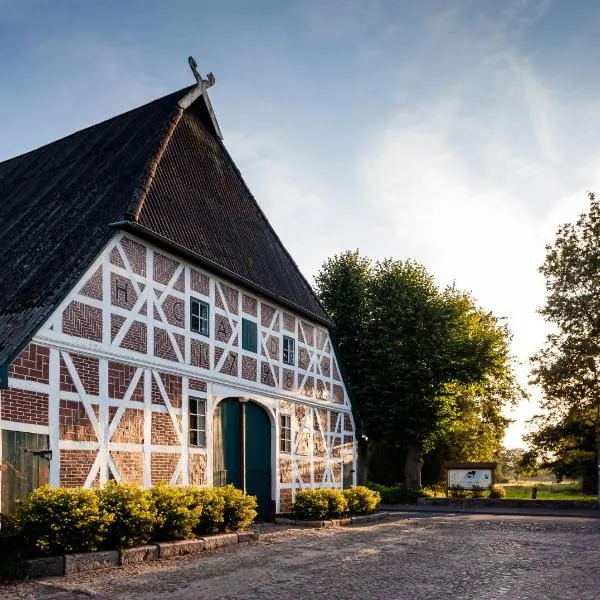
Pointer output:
87, 369
163, 433
250, 305
130, 466
164, 268
230, 365
163, 466
173, 387
136, 255
122, 292
199, 283
24, 406
74, 423
223, 330
32, 364
199, 354
130, 429
266, 314
197, 468
75, 466
119, 378
285, 470
249, 368
231, 296
93, 286
266, 374
136, 338
81, 320
285, 501
197, 385
174, 310
289, 323
163, 348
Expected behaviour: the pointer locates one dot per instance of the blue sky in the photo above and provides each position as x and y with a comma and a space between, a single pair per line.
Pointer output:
458, 134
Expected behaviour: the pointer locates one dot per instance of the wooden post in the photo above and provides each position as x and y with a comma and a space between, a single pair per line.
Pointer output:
243, 443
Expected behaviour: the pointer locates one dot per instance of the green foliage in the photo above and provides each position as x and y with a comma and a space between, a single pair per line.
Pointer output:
62, 520
394, 494
566, 368
361, 500
458, 491
134, 514
176, 516
239, 510
11, 551
497, 492
427, 367
210, 505
337, 503
310, 505
478, 491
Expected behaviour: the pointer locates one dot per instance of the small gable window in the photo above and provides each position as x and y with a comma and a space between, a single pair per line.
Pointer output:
197, 422
199, 316
249, 335
285, 435
289, 350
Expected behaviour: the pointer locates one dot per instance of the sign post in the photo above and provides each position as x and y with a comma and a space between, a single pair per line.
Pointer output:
469, 475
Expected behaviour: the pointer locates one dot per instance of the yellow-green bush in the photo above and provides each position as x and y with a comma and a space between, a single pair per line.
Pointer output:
497, 492
361, 500
134, 514
211, 508
240, 510
60, 520
310, 505
176, 515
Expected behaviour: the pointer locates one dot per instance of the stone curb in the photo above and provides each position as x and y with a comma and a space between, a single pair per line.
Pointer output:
332, 522
54, 566
90, 561
509, 503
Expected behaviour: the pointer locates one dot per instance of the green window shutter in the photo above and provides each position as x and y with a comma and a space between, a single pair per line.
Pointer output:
249, 335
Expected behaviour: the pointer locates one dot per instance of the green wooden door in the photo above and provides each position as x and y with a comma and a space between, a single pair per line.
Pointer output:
255, 463
258, 458
227, 449
26, 466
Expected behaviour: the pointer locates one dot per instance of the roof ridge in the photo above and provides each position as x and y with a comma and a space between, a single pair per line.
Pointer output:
86, 129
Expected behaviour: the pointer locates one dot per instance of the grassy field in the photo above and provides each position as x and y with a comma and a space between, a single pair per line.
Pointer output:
547, 491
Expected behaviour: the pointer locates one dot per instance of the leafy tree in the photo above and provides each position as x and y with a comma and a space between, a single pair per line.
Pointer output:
421, 362
565, 368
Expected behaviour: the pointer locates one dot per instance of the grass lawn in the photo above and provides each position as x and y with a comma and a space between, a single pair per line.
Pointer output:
547, 491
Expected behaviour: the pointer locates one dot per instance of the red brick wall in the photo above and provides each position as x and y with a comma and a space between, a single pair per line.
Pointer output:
24, 406
75, 466
130, 429
197, 468
74, 423
88, 370
163, 466
32, 364
119, 378
93, 286
130, 465
163, 433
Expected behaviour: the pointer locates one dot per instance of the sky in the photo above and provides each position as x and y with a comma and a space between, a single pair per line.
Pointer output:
456, 134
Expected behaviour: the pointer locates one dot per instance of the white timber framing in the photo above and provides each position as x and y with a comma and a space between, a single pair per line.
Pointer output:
150, 309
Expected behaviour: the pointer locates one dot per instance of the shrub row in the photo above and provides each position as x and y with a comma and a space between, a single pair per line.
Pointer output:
495, 491
316, 505
394, 494
54, 521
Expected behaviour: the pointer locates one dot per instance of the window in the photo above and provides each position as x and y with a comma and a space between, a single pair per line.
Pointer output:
249, 335
289, 350
285, 436
199, 319
197, 422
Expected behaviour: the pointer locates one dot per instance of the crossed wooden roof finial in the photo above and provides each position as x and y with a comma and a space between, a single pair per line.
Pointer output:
204, 83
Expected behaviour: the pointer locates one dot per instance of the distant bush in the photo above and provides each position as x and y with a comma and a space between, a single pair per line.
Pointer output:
458, 491
177, 516
134, 514
394, 494
478, 491
361, 500
62, 520
497, 492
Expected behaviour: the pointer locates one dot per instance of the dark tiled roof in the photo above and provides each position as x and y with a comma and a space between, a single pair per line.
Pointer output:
158, 165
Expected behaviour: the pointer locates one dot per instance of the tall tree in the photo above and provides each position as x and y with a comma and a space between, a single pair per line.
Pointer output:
566, 367
419, 359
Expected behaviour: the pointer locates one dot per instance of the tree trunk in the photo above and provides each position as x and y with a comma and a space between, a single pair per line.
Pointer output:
413, 463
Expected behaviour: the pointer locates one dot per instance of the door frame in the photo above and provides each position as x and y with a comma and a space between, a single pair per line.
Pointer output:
269, 405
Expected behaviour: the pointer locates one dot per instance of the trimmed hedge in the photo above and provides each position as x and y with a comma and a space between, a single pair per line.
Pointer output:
320, 504
53, 521
394, 494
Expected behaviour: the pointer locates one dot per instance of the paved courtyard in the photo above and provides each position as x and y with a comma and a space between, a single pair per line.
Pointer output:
411, 556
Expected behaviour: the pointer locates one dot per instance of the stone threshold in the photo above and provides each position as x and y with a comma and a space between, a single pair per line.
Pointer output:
55, 566
378, 516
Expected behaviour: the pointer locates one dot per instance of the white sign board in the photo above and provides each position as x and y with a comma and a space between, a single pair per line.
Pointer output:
467, 478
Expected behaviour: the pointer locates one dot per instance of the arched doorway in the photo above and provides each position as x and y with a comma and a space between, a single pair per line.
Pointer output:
242, 450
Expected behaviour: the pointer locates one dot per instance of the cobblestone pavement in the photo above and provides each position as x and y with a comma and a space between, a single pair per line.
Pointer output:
411, 556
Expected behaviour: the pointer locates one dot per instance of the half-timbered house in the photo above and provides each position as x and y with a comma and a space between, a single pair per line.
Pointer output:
152, 325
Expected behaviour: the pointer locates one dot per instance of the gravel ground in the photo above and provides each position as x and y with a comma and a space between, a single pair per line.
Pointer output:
419, 557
